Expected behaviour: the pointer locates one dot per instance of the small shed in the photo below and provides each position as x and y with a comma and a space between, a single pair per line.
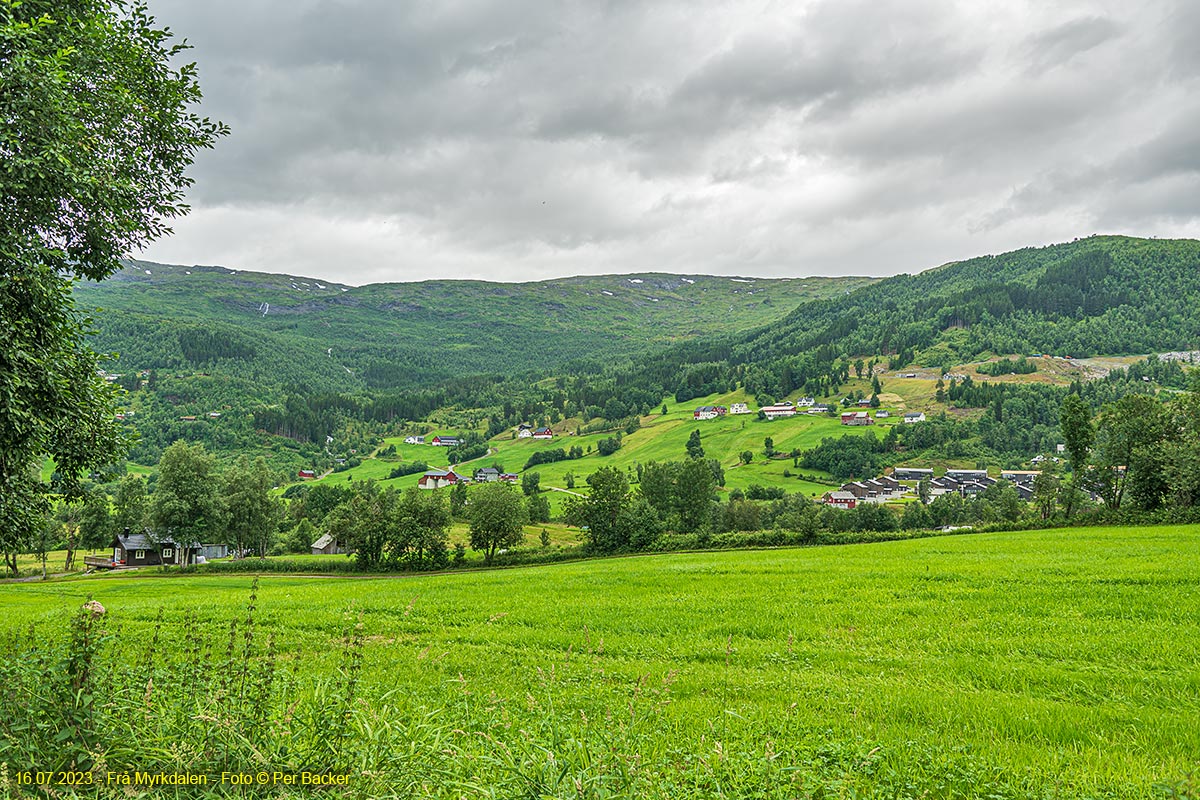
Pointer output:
327, 545
211, 551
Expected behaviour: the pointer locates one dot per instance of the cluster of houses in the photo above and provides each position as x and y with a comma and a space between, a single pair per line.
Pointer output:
529, 432
436, 441
876, 490
864, 417
966, 482
775, 411
970, 482
523, 432
438, 478
789, 409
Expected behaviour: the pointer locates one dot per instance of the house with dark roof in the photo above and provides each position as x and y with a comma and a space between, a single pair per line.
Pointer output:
967, 474
912, 473
486, 475
543, 433
139, 550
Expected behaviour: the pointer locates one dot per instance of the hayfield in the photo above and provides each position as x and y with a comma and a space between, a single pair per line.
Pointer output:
1060, 664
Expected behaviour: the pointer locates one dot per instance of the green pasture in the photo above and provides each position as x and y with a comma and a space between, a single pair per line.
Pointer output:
1060, 664
663, 437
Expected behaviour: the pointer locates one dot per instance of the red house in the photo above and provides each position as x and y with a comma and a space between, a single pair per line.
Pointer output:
844, 500
437, 478
307, 473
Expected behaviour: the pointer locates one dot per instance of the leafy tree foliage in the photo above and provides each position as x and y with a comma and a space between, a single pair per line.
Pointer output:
497, 518
95, 523
186, 506
131, 504
95, 141
252, 514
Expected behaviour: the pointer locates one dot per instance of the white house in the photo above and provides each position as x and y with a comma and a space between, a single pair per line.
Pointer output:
524, 433
779, 410
739, 408
414, 440
914, 416
806, 402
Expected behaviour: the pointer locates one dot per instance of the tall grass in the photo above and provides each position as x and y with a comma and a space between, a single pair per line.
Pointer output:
1000, 666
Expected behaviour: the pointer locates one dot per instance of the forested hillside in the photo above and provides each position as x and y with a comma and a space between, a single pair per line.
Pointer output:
1110, 295
280, 330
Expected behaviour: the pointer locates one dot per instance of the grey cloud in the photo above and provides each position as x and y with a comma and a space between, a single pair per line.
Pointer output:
1064, 42
522, 138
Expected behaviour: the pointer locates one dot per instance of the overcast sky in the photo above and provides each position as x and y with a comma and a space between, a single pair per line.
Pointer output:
385, 140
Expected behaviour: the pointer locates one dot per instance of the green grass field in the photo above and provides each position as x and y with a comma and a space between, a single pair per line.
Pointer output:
1055, 664
661, 438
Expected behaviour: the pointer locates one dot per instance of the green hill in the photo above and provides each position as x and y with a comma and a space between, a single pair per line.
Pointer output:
1102, 295
281, 329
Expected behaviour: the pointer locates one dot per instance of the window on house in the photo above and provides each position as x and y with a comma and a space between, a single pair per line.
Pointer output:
139, 554
168, 552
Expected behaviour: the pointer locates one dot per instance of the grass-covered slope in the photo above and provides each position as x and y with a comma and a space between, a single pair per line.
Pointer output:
1039, 664
303, 331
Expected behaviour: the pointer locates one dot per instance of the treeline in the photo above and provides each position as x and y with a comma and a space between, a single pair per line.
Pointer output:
190, 498
1007, 366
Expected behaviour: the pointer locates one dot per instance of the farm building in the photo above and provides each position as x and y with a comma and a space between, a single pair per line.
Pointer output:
914, 416
307, 473
839, 499
414, 440
327, 545
779, 410
543, 433
444, 441
911, 474
739, 408
857, 418
486, 475
806, 402
211, 551
437, 478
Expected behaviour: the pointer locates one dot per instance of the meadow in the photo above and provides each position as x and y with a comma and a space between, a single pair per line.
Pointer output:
1048, 664
662, 437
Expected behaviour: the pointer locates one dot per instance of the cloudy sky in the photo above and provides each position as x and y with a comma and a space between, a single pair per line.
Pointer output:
379, 140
